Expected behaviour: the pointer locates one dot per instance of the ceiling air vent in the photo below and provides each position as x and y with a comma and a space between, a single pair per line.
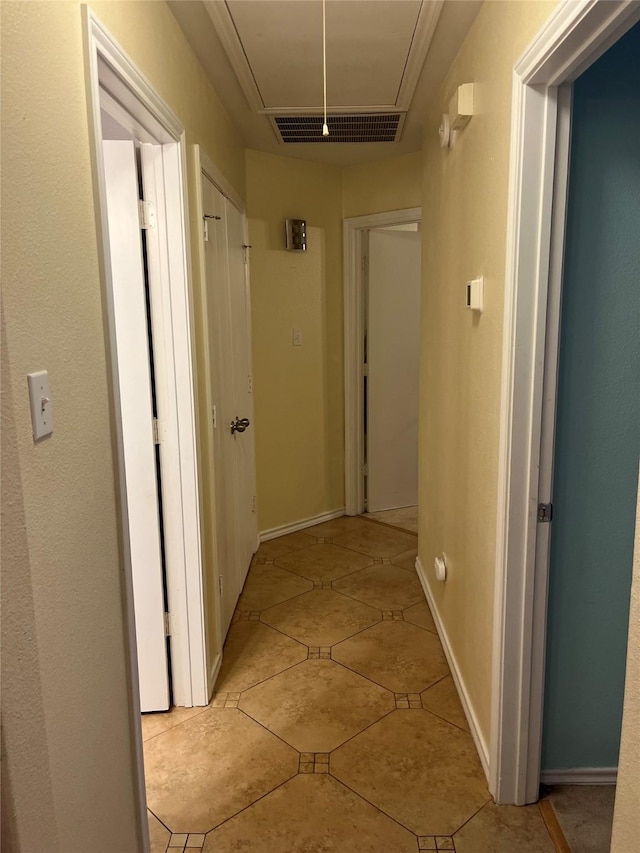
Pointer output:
379, 127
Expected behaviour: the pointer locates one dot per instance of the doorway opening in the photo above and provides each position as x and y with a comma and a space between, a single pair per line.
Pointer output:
382, 335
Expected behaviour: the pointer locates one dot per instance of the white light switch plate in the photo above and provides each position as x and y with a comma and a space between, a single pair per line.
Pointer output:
41, 408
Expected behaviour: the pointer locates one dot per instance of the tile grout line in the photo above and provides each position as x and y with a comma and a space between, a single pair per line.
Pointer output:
373, 805
250, 805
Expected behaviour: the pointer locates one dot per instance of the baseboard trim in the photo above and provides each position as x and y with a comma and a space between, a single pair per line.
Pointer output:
467, 707
580, 776
265, 535
213, 674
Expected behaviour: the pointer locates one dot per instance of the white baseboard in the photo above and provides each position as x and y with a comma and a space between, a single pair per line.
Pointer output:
580, 776
469, 712
265, 535
213, 673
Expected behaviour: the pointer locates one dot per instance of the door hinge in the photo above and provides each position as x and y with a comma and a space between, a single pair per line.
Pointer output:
365, 470
156, 431
214, 417
253, 504
250, 385
146, 214
545, 513
365, 264
365, 369
245, 253
167, 625
220, 585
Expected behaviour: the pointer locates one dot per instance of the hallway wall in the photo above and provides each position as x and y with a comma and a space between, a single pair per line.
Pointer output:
394, 183
464, 225
299, 405
67, 723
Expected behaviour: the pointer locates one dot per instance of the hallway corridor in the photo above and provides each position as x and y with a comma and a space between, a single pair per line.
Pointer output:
336, 727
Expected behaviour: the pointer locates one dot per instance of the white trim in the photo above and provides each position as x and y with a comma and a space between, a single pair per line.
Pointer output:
354, 230
214, 671
581, 776
467, 706
218, 179
273, 532
422, 37
576, 34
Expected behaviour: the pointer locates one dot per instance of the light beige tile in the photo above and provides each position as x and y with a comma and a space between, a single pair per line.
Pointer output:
253, 652
376, 540
442, 699
397, 655
406, 560
315, 814
159, 835
195, 840
505, 829
419, 614
155, 724
405, 517
316, 705
385, 586
418, 769
206, 770
320, 617
323, 562
282, 544
269, 585
177, 840
330, 529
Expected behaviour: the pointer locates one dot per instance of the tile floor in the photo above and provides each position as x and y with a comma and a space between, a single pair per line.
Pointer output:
405, 517
336, 727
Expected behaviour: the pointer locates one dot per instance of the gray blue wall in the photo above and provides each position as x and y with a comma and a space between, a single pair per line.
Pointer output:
598, 428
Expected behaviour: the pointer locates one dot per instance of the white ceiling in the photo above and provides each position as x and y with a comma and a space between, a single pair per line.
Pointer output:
265, 57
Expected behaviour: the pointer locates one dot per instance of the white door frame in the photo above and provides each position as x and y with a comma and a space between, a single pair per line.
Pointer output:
577, 33
108, 68
354, 278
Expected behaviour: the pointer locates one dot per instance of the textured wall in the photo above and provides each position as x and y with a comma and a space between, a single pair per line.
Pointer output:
299, 391
390, 184
625, 819
67, 750
464, 224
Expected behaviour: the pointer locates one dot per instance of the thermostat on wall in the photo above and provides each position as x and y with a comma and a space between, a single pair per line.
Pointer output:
475, 294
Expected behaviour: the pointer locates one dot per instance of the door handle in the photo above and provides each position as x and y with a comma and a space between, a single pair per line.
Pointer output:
239, 425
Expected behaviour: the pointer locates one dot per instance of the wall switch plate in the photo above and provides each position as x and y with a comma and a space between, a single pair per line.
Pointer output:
475, 294
41, 407
297, 337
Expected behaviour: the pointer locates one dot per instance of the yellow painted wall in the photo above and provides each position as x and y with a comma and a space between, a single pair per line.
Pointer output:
394, 183
67, 750
627, 808
464, 225
299, 391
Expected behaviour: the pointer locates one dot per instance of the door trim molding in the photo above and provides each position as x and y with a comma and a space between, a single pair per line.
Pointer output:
106, 64
575, 35
354, 229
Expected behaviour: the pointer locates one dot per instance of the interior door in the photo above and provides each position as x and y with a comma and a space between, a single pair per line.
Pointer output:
220, 345
393, 347
136, 401
243, 387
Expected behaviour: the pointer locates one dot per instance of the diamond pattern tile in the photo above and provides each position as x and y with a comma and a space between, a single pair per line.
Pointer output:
282, 545
315, 814
159, 835
442, 699
407, 560
337, 527
320, 617
419, 614
317, 705
269, 585
253, 652
418, 769
385, 586
376, 540
504, 829
397, 655
207, 769
323, 562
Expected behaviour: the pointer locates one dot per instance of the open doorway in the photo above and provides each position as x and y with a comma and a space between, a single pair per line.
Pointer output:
382, 338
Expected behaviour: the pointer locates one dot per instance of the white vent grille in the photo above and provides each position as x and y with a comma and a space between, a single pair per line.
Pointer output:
381, 127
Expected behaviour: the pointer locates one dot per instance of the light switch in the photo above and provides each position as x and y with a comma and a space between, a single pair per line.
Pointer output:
297, 337
41, 408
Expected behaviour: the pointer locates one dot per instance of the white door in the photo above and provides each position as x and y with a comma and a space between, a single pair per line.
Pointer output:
229, 341
393, 346
136, 401
243, 387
